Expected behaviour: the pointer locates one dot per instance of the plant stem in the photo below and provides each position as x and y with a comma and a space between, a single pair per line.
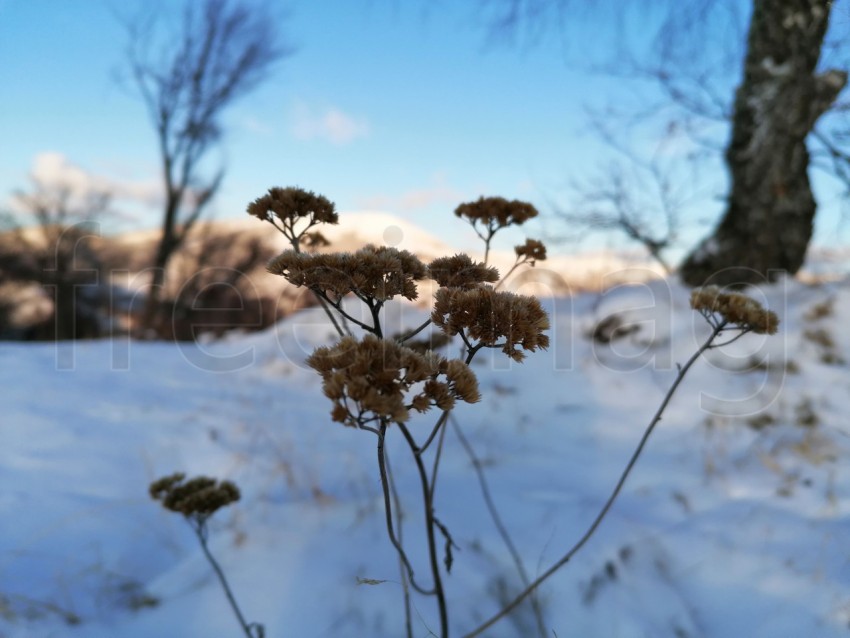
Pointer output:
497, 521
415, 332
388, 511
200, 532
295, 241
399, 515
429, 529
716, 330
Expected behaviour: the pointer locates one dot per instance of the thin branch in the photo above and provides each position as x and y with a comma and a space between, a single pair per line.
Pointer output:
607, 506
399, 515
388, 511
415, 332
500, 525
200, 529
429, 530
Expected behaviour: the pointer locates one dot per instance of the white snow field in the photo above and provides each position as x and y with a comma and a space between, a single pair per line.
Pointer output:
735, 521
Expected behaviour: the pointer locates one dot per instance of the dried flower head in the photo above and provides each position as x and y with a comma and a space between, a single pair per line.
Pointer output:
196, 498
460, 271
315, 240
372, 378
734, 308
496, 212
378, 273
531, 251
496, 319
292, 204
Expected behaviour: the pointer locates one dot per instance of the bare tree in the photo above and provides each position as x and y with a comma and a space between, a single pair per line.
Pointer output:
51, 231
221, 50
783, 93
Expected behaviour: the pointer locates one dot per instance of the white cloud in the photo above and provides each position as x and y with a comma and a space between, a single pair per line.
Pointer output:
55, 171
52, 172
330, 124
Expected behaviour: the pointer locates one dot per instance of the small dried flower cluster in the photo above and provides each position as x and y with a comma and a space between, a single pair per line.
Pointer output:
315, 240
378, 273
197, 498
735, 308
531, 251
459, 271
504, 319
496, 212
375, 376
291, 204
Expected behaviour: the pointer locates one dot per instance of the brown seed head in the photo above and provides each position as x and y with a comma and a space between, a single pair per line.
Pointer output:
496, 212
532, 251
460, 271
198, 497
292, 204
510, 321
735, 308
378, 273
373, 378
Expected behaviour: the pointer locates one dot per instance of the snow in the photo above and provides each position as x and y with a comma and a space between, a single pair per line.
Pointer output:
733, 523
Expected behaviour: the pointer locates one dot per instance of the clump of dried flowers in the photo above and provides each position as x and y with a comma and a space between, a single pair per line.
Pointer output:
198, 498
496, 212
460, 271
488, 215
492, 319
373, 379
293, 211
531, 251
735, 309
293, 204
375, 382
377, 273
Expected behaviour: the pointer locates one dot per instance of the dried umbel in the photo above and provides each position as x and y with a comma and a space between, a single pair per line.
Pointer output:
494, 319
531, 251
372, 379
496, 212
735, 309
293, 204
459, 271
196, 498
378, 273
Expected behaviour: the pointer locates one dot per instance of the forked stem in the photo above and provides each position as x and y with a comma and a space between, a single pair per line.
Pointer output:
507, 609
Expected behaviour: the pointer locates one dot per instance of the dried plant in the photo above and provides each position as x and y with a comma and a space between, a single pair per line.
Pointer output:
734, 309
293, 211
381, 385
378, 273
197, 500
459, 271
484, 317
531, 251
488, 215
373, 379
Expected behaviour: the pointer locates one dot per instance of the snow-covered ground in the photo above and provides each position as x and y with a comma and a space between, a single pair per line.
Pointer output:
734, 523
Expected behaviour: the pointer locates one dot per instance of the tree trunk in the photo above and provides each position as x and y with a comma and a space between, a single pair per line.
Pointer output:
168, 243
768, 221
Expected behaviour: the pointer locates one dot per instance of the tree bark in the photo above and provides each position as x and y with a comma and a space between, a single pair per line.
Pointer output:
168, 243
769, 217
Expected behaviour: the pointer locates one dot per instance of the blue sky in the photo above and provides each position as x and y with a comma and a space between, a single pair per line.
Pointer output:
394, 105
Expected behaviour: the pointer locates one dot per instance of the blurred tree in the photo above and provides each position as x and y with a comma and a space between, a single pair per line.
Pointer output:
770, 211
49, 244
770, 207
187, 78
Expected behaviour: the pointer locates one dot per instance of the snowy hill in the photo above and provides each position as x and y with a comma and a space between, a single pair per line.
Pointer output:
559, 275
735, 521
